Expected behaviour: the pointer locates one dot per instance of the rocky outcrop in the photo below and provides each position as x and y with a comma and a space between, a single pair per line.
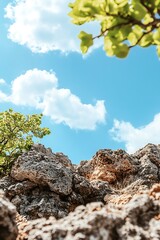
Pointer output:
8, 227
44, 184
138, 219
40, 165
121, 169
112, 196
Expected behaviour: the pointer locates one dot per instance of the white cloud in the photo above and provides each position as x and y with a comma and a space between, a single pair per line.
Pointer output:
135, 138
3, 97
39, 89
2, 81
43, 25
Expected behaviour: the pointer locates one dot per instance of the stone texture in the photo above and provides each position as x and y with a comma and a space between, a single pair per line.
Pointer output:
149, 163
45, 184
138, 219
8, 227
58, 200
121, 169
40, 166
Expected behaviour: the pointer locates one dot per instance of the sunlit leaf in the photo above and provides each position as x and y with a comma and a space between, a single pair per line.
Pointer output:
86, 41
125, 23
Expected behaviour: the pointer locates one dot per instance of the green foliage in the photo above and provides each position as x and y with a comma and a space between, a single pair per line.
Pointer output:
86, 41
16, 135
124, 24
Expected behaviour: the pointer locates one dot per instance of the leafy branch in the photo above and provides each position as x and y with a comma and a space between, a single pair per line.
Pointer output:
124, 24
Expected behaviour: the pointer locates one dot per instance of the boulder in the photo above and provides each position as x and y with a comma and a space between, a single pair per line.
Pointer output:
41, 166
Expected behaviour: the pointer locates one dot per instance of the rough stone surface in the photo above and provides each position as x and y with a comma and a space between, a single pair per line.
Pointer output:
8, 227
44, 184
46, 189
138, 219
121, 169
40, 165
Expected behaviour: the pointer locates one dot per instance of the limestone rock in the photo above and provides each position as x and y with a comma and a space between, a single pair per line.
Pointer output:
8, 227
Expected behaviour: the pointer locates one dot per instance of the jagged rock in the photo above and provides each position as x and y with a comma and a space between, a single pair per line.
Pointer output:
138, 219
47, 187
8, 227
41, 166
108, 165
149, 159
118, 167
44, 184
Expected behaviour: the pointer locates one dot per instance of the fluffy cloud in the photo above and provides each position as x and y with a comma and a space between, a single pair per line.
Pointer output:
2, 81
39, 89
43, 25
135, 138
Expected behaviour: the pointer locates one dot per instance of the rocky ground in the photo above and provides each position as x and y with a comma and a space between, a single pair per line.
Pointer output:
110, 197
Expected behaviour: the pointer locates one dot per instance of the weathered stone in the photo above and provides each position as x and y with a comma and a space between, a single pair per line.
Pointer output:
149, 163
37, 192
108, 165
43, 168
135, 220
47, 187
8, 227
119, 168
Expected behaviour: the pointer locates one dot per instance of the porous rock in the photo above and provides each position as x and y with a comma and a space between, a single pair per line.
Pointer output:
44, 184
42, 166
121, 169
46, 188
138, 219
8, 227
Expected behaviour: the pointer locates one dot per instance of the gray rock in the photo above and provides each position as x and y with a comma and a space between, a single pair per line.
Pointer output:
149, 163
138, 219
8, 227
42, 167
44, 184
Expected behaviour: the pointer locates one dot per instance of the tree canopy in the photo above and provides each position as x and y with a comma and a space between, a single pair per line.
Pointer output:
123, 23
16, 135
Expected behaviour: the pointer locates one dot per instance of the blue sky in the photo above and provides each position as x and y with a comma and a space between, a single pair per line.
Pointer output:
90, 102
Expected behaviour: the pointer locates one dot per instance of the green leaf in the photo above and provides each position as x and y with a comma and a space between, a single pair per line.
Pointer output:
135, 35
138, 11
147, 19
156, 36
86, 41
121, 50
120, 20
146, 40
109, 46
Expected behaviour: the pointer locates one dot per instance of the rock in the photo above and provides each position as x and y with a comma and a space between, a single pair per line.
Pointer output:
8, 227
59, 200
149, 159
108, 165
41, 166
138, 219
121, 169
45, 184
